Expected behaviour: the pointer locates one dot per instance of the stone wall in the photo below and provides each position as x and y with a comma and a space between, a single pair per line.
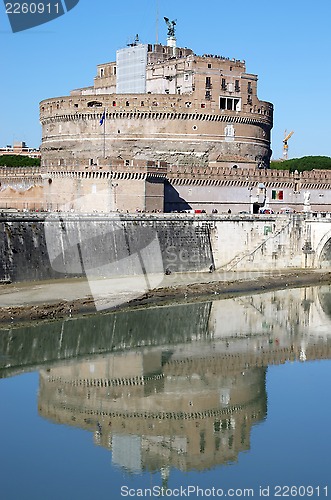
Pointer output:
41, 247
129, 185
55, 246
23, 251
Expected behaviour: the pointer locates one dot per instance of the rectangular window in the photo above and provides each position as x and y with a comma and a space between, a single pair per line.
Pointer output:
249, 88
237, 86
223, 84
208, 82
230, 104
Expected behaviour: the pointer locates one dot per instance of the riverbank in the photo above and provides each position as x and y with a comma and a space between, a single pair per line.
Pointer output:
47, 300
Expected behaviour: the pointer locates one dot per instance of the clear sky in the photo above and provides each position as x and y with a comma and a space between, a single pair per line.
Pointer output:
285, 42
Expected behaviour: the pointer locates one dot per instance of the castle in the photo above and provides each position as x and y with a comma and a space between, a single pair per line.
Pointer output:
161, 129
156, 106
161, 103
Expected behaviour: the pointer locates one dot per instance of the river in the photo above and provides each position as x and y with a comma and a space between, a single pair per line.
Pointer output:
218, 398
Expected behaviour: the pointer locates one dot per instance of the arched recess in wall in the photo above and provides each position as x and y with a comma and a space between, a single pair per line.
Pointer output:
94, 104
324, 295
323, 252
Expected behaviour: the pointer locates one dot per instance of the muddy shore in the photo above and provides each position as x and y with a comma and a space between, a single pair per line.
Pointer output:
27, 302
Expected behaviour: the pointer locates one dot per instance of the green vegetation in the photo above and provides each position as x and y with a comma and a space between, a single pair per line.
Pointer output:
304, 163
19, 161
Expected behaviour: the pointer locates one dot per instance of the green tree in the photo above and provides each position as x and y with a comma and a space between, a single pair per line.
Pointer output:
304, 163
19, 161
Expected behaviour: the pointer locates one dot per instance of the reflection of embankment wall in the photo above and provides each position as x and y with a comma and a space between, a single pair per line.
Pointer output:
36, 345
259, 330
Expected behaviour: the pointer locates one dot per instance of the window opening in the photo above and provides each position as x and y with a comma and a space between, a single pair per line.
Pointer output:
230, 103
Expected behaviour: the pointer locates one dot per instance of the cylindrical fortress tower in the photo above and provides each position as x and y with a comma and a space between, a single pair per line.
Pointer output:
183, 109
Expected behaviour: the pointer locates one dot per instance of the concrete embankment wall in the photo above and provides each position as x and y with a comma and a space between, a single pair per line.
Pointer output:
257, 243
40, 248
55, 246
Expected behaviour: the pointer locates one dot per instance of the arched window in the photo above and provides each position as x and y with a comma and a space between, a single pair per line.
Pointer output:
94, 104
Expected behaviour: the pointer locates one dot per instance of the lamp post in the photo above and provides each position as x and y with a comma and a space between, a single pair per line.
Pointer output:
250, 189
114, 185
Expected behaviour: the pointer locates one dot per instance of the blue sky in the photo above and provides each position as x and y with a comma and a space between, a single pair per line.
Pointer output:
286, 43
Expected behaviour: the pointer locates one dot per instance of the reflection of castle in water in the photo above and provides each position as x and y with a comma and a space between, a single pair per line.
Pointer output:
155, 412
189, 404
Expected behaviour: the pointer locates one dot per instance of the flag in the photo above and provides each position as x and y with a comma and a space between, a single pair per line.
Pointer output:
103, 118
277, 195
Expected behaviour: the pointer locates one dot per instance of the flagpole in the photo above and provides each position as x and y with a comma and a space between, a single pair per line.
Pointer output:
104, 135
157, 23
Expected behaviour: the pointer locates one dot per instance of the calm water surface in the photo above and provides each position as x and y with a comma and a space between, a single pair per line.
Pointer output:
230, 397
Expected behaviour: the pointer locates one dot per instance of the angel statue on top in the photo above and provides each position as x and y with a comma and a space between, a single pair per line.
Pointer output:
171, 26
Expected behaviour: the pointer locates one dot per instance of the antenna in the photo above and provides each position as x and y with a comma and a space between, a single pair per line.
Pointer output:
157, 23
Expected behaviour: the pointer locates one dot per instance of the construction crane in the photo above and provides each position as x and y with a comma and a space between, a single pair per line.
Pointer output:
285, 145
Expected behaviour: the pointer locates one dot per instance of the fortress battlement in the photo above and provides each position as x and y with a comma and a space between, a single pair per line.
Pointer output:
83, 107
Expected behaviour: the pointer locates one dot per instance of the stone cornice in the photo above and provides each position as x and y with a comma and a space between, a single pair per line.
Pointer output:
226, 117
